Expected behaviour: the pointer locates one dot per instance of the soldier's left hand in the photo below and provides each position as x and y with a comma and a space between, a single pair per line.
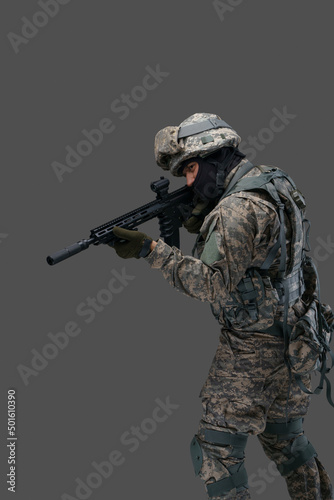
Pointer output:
135, 244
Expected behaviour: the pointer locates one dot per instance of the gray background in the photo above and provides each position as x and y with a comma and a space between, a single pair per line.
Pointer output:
150, 342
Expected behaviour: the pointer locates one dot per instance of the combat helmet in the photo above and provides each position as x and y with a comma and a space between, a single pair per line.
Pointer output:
199, 135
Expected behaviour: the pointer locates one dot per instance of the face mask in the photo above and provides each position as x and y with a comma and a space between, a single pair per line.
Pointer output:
205, 183
213, 171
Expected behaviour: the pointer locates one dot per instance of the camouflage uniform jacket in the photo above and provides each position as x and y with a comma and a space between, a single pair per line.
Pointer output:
235, 236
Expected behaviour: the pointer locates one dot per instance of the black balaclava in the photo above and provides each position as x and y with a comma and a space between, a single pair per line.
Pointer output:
213, 171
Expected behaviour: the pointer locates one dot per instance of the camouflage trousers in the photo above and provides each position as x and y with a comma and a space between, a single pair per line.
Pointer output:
247, 388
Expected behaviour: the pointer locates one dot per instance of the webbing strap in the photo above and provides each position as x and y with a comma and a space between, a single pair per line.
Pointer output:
282, 265
323, 378
246, 167
286, 291
196, 128
301, 384
295, 283
277, 329
284, 428
271, 255
222, 437
328, 391
279, 243
255, 182
296, 460
306, 243
235, 480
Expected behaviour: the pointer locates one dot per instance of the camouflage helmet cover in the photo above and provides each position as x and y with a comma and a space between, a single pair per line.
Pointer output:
171, 150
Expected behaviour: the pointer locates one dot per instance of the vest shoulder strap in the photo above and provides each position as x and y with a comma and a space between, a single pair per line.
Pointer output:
246, 167
242, 183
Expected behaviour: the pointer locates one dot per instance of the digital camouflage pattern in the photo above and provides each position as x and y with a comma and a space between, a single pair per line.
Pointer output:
246, 387
248, 381
171, 152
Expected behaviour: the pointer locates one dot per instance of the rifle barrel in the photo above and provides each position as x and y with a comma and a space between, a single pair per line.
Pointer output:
67, 252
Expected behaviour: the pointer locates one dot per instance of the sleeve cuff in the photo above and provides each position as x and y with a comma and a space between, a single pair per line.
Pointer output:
159, 254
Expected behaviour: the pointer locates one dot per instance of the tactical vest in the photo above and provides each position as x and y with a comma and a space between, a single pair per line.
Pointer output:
254, 302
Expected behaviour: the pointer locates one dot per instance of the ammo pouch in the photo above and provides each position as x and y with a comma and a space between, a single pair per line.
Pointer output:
253, 304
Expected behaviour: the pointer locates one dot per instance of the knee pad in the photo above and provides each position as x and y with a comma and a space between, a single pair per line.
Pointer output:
298, 451
196, 454
238, 476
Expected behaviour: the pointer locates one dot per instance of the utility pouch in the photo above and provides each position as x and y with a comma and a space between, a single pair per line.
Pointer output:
308, 346
305, 347
254, 306
311, 335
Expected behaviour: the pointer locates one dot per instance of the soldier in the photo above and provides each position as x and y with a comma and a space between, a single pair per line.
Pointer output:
250, 248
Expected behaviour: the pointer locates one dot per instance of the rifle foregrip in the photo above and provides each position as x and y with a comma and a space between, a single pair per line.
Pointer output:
67, 252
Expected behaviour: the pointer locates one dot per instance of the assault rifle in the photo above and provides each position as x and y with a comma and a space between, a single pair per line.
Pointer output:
171, 209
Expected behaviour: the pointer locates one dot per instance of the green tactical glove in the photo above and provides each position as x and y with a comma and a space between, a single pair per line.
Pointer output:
195, 221
137, 244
